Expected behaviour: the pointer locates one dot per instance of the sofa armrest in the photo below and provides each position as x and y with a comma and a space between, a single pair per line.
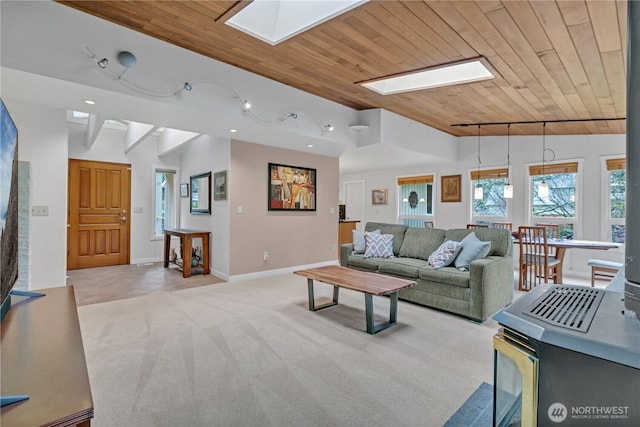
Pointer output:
491, 283
345, 251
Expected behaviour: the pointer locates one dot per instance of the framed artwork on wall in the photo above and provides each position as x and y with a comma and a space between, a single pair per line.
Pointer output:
291, 188
450, 188
184, 190
220, 185
379, 197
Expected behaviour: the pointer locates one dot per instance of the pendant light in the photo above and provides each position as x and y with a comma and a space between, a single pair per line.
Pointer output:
508, 188
543, 187
478, 193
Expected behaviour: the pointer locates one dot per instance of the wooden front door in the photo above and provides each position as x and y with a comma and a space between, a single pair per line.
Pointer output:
98, 222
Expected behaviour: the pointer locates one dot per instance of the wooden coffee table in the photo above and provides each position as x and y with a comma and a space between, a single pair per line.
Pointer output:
369, 283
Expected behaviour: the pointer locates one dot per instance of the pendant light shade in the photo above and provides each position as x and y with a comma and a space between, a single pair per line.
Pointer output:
543, 187
478, 193
508, 188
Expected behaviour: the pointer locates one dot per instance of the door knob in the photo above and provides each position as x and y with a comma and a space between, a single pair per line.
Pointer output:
123, 219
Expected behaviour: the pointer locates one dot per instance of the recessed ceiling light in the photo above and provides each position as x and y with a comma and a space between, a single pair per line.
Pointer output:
275, 21
233, 130
310, 146
452, 74
90, 102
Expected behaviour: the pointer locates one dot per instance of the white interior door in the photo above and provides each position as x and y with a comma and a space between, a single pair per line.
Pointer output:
354, 201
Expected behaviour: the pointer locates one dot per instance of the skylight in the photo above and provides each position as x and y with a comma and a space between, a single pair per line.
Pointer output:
465, 72
274, 21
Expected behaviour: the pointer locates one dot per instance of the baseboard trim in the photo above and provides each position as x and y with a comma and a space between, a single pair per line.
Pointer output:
278, 271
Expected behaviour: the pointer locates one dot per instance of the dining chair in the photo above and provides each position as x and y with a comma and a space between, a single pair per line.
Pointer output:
477, 225
428, 224
506, 225
536, 266
552, 231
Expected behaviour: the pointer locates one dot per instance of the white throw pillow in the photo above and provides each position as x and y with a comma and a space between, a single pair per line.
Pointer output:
378, 245
472, 248
359, 244
445, 254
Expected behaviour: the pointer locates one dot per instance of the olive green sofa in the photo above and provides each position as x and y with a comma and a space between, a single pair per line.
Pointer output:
477, 293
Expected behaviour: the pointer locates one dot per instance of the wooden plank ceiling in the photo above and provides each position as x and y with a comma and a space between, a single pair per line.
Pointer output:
556, 60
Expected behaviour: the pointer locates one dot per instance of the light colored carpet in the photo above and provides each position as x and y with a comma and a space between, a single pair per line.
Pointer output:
251, 354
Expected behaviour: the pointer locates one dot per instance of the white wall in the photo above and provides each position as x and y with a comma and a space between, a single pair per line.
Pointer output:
42, 141
525, 150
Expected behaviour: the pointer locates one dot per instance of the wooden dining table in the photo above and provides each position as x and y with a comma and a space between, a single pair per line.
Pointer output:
561, 246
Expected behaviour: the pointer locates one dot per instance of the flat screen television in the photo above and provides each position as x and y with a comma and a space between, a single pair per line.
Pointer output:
8, 207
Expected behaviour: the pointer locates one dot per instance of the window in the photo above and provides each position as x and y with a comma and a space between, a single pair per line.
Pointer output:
416, 200
615, 217
560, 206
493, 206
165, 200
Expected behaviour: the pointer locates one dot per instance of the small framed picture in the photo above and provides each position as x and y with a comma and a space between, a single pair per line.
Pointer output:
450, 191
184, 190
379, 197
220, 185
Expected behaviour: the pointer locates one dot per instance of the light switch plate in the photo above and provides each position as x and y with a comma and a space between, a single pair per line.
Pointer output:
39, 210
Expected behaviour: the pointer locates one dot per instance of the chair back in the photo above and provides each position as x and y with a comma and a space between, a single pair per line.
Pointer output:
536, 266
477, 226
506, 225
552, 231
428, 224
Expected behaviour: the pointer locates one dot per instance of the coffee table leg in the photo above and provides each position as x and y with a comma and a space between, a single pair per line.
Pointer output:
393, 313
312, 302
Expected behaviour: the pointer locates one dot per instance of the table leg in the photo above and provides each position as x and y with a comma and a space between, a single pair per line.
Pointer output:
393, 313
167, 246
312, 302
186, 256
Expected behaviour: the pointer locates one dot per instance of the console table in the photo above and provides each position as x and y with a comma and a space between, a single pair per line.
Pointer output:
186, 246
43, 357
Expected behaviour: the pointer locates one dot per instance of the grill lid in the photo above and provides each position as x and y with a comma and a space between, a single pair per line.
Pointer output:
571, 307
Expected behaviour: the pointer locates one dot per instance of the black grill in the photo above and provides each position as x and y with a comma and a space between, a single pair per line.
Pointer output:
571, 307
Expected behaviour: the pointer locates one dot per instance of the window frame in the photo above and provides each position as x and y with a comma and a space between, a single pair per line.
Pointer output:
176, 199
428, 217
472, 184
607, 221
575, 220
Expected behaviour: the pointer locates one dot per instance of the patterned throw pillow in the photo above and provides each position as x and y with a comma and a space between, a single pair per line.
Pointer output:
445, 254
358, 240
378, 245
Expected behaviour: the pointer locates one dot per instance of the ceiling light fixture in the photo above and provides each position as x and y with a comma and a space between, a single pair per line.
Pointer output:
187, 86
327, 128
543, 187
89, 102
478, 193
103, 63
246, 105
508, 188
442, 75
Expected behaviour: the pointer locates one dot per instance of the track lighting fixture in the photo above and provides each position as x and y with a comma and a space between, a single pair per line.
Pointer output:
246, 105
327, 128
187, 86
103, 63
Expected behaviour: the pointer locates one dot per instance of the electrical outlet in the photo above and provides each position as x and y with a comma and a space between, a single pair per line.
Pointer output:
39, 210
265, 257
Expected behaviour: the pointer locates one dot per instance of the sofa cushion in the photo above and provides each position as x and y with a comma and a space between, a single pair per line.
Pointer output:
397, 230
378, 245
446, 275
445, 254
421, 242
359, 244
358, 261
472, 249
405, 267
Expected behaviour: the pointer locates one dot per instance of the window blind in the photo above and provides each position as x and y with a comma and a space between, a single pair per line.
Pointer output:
556, 168
616, 164
423, 179
489, 174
